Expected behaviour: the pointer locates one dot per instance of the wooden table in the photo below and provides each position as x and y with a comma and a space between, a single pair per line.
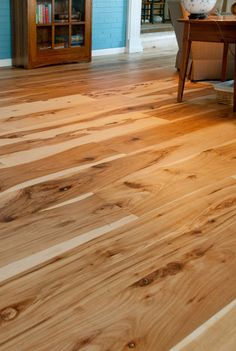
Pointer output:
219, 29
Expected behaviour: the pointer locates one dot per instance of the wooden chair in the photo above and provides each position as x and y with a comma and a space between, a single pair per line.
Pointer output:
146, 11
157, 9
152, 8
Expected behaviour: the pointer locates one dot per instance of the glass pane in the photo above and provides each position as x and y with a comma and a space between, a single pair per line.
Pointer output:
44, 38
61, 37
78, 10
44, 12
77, 35
61, 11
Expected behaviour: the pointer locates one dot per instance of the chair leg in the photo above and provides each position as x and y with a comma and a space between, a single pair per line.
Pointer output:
151, 13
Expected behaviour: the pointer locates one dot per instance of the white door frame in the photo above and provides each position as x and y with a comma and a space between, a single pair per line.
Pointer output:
133, 40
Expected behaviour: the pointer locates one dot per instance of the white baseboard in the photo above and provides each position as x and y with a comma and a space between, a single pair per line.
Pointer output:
111, 51
6, 63
134, 46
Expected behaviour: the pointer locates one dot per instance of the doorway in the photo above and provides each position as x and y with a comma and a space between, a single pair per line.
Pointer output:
135, 40
155, 16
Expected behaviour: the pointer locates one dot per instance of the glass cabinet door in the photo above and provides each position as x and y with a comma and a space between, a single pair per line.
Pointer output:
61, 10
60, 24
61, 37
43, 22
78, 10
77, 35
44, 12
44, 38
78, 25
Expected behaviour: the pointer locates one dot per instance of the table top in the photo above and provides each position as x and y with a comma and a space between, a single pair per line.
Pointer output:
226, 19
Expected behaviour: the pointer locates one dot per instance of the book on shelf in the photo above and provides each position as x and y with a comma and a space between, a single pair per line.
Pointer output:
44, 46
77, 39
44, 13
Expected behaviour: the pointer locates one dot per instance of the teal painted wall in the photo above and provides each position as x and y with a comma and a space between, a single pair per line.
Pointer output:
5, 30
109, 23
108, 29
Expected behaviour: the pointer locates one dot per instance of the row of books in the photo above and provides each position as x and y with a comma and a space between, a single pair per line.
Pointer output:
77, 40
44, 13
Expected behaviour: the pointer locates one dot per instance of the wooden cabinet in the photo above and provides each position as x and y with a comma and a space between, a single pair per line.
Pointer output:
49, 32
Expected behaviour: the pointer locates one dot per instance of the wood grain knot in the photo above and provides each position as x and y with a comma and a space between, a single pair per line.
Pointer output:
88, 159
133, 185
171, 268
7, 219
196, 231
135, 139
100, 165
65, 188
13, 136
131, 345
207, 150
160, 215
192, 176
174, 268
8, 314
145, 281
106, 207
226, 204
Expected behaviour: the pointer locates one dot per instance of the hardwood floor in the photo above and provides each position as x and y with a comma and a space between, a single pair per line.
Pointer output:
117, 209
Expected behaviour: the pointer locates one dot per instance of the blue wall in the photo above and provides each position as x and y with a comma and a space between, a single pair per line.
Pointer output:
108, 30
109, 23
5, 36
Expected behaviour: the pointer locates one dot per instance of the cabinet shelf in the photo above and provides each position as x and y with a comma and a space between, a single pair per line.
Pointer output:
51, 32
61, 23
76, 22
44, 25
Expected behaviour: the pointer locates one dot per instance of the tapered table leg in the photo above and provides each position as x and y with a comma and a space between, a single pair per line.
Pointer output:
224, 62
184, 61
234, 103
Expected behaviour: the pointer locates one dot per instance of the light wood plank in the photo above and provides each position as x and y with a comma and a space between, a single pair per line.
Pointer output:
117, 208
43, 257
218, 333
153, 273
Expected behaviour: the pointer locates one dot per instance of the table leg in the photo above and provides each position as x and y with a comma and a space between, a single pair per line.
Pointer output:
224, 62
184, 62
234, 102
